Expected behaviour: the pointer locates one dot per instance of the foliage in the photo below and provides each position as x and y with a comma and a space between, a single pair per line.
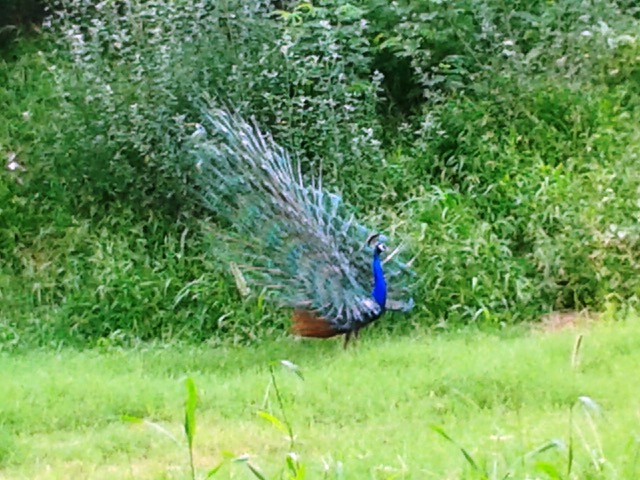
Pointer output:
497, 138
429, 49
517, 220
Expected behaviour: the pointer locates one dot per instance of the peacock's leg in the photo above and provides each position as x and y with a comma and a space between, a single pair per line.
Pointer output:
347, 337
356, 334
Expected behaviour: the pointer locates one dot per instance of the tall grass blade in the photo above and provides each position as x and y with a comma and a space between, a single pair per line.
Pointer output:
295, 467
245, 459
550, 445
291, 367
575, 354
570, 454
274, 421
155, 426
257, 473
190, 419
211, 473
549, 469
440, 431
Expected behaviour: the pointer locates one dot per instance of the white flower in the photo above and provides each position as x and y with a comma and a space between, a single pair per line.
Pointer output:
12, 164
199, 133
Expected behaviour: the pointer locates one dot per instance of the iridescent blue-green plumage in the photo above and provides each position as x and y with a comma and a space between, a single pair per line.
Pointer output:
292, 238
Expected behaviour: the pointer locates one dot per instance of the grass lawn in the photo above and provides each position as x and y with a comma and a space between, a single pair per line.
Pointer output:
366, 412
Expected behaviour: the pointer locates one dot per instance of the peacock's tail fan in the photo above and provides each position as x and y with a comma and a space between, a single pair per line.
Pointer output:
293, 238
308, 324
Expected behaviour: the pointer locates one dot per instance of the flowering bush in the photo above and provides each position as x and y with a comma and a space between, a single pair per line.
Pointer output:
498, 139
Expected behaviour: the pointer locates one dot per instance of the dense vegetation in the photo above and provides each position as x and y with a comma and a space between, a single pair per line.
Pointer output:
498, 138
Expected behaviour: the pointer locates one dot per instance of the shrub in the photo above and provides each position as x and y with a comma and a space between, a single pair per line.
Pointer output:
514, 210
138, 73
427, 50
499, 141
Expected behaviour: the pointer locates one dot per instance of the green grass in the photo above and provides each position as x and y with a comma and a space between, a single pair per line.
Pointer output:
368, 411
518, 196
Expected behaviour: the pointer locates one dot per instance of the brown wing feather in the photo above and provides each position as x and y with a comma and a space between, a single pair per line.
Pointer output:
308, 324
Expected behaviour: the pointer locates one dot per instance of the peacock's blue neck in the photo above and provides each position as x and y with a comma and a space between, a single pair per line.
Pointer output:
379, 292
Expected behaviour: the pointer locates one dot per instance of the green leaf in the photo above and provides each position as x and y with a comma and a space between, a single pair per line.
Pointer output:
439, 430
274, 421
130, 419
241, 459
256, 472
190, 411
227, 455
304, 7
549, 469
296, 468
349, 13
214, 470
190, 420
551, 444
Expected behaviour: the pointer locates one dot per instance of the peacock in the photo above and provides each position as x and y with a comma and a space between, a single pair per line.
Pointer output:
296, 242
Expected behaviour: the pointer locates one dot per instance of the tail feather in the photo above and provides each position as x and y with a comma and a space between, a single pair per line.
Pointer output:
308, 324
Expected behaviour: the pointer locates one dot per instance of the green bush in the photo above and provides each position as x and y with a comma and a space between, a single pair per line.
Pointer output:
529, 209
497, 138
429, 49
121, 279
137, 73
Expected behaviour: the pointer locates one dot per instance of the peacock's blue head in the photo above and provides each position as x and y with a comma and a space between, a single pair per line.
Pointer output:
379, 248
376, 240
